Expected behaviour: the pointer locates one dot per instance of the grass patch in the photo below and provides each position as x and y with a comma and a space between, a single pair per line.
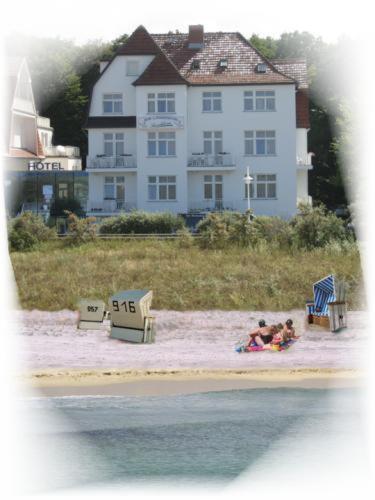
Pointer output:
55, 277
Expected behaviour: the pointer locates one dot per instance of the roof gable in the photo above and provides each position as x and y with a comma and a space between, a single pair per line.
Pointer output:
140, 43
161, 71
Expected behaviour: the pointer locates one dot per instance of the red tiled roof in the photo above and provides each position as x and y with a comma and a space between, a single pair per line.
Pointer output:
161, 71
21, 153
295, 68
242, 60
139, 43
302, 109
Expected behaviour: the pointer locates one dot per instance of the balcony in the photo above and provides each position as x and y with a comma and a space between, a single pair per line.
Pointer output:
102, 162
109, 207
304, 161
62, 151
220, 161
204, 206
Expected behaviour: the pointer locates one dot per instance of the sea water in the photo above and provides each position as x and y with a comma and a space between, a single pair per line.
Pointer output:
209, 437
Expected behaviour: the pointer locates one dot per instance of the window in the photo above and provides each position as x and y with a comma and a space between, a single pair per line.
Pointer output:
114, 189
264, 100
163, 102
249, 142
112, 103
262, 187
213, 187
211, 102
161, 144
132, 68
196, 64
162, 188
262, 144
248, 101
212, 142
62, 190
113, 144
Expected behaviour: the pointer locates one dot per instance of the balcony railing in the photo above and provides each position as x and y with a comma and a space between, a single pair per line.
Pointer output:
122, 161
201, 160
43, 121
65, 151
109, 206
304, 160
210, 206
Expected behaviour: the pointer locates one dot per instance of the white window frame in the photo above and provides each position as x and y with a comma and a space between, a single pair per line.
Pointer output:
116, 140
260, 101
114, 98
130, 68
113, 181
253, 140
212, 102
165, 188
212, 142
164, 144
211, 181
269, 181
156, 101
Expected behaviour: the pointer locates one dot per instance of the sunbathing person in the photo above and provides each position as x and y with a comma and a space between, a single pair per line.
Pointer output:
263, 335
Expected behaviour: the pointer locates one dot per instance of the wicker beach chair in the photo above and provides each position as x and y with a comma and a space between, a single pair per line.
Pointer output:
329, 307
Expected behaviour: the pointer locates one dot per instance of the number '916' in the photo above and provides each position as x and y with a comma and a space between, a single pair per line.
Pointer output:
128, 306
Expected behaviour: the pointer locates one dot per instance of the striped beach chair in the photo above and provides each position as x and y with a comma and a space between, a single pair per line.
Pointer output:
329, 306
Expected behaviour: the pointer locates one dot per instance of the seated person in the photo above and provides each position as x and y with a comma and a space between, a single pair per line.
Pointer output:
288, 331
278, 336
263, 335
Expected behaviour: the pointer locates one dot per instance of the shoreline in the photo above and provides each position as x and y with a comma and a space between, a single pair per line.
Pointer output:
114, 382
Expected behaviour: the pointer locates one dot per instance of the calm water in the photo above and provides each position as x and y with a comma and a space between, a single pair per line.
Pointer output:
207, 437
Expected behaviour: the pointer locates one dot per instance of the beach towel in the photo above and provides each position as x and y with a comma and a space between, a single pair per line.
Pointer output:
282, 346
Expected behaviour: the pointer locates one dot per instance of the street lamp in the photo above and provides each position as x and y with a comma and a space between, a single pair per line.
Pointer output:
247, 180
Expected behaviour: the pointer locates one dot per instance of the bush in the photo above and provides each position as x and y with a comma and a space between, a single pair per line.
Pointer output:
80, 230
139, 222
27, 231
315, 227
185, 238
214, 229
273, 230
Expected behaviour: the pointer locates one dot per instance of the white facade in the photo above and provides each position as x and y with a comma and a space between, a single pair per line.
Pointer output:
189, 158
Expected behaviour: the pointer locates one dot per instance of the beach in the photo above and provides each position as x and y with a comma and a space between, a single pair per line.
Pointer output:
193, 352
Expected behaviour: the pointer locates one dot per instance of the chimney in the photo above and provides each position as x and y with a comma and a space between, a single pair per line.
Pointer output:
196, 33
103, 65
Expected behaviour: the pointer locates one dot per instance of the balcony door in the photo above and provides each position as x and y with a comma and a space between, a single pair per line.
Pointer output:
114, 192
213, 191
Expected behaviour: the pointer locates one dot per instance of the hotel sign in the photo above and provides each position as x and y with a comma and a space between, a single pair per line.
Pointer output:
44, 165
159, 121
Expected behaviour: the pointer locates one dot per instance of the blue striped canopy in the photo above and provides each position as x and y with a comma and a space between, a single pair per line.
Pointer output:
324, 292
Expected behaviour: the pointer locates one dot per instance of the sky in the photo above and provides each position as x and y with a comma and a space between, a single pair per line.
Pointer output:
83, 20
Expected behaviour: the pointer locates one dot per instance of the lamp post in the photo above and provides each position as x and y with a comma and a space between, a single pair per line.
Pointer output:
247, 180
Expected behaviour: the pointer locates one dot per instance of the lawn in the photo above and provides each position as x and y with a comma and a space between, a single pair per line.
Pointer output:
55, 277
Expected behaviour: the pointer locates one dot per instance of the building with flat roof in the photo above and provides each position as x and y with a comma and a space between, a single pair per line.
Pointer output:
175, 120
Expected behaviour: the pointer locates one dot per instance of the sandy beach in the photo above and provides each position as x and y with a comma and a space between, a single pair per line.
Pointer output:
193, 352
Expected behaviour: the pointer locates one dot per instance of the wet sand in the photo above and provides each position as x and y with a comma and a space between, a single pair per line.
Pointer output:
121, 383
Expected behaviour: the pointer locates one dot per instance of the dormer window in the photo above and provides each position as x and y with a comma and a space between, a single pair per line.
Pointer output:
261, 68
223, 63
196, 64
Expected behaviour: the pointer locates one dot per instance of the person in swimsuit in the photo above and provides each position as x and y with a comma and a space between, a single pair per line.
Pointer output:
288, 331
263, 335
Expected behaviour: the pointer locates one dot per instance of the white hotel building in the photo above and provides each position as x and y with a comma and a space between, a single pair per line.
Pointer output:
175, 120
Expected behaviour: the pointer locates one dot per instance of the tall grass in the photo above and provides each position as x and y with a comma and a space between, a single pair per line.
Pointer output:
182, 277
